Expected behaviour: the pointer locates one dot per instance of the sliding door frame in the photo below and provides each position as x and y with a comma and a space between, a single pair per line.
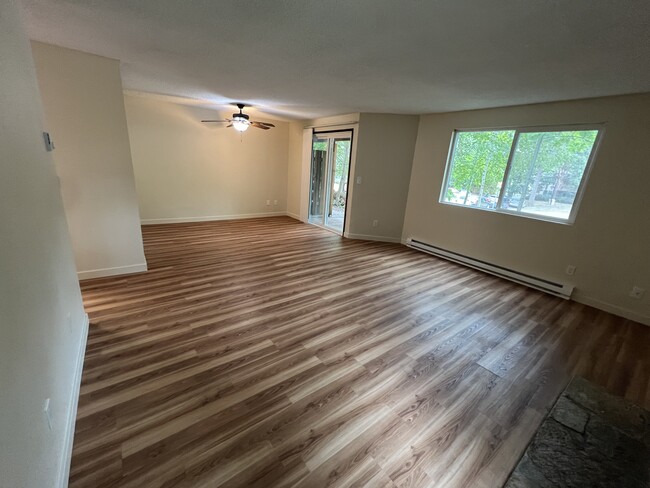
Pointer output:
315, 132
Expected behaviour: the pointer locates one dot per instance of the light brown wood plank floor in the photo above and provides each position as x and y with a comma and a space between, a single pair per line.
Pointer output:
269, 353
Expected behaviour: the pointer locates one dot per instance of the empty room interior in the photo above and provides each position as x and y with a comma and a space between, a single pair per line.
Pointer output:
324, 244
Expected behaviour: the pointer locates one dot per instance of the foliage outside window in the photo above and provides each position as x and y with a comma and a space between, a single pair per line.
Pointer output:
538, 173
341, 160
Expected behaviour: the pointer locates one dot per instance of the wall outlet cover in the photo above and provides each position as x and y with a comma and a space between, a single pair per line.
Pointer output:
48, 413
637, 292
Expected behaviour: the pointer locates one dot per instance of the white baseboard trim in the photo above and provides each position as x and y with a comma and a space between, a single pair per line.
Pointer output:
64, 468
608, 307
119, 270
208, 218
365, 237
293, 216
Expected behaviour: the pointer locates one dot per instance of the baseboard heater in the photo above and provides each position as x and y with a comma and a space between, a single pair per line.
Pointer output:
561, 290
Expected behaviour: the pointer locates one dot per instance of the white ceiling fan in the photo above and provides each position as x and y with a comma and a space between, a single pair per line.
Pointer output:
241, 122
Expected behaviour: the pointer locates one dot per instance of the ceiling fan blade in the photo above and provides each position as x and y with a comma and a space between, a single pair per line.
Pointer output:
262, 123
225, 120
260, 126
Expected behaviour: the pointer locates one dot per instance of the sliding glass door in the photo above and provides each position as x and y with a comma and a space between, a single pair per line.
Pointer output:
330, 169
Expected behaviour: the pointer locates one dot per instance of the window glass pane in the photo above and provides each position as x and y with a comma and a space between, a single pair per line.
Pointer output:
546, 171
478, 164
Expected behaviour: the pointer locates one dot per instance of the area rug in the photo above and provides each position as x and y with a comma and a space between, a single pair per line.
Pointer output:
589, 439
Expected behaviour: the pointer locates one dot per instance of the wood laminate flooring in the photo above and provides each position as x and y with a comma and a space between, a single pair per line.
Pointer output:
268, 353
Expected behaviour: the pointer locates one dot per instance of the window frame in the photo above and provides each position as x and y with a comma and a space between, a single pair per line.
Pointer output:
599, 127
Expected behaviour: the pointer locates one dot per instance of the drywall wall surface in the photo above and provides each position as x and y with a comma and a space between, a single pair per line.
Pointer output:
294, 169
42, 322
187, 170
305, 173
610, 239
382, 154
84, 111
385, 146
333, 121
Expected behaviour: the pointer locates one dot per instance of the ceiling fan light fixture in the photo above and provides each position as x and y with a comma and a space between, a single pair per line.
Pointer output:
240, 125
241, 121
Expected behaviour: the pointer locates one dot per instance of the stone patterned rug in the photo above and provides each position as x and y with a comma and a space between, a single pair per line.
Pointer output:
590, 439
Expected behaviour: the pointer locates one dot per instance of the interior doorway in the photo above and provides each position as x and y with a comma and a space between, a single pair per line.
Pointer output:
330, 174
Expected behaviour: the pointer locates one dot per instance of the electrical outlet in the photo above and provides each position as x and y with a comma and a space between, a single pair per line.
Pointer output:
375, 223
358, 180
570, 270
275, 202
637, 292
268, 202
48, 413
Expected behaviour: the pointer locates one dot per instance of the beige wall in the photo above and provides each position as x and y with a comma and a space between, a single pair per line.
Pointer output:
333, 122
610, 240
385, 145
187, 170
42, 322
305, 173
382, 155
84, 110
294, 170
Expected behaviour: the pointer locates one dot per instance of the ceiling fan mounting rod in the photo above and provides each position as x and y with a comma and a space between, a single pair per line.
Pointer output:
241, 114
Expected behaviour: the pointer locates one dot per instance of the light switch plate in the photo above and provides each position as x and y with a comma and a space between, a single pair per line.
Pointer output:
49, 145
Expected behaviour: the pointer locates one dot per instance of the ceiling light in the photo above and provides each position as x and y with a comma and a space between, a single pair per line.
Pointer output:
241, 121
240, 124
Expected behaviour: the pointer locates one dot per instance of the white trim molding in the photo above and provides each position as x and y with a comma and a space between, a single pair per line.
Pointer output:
293, 215
64, 467
367, 237
611, 308
119, 270
208, 218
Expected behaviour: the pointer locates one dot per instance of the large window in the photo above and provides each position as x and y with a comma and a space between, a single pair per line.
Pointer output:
534, 172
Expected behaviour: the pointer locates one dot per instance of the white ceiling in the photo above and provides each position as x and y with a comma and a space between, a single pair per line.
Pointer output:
308, 58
